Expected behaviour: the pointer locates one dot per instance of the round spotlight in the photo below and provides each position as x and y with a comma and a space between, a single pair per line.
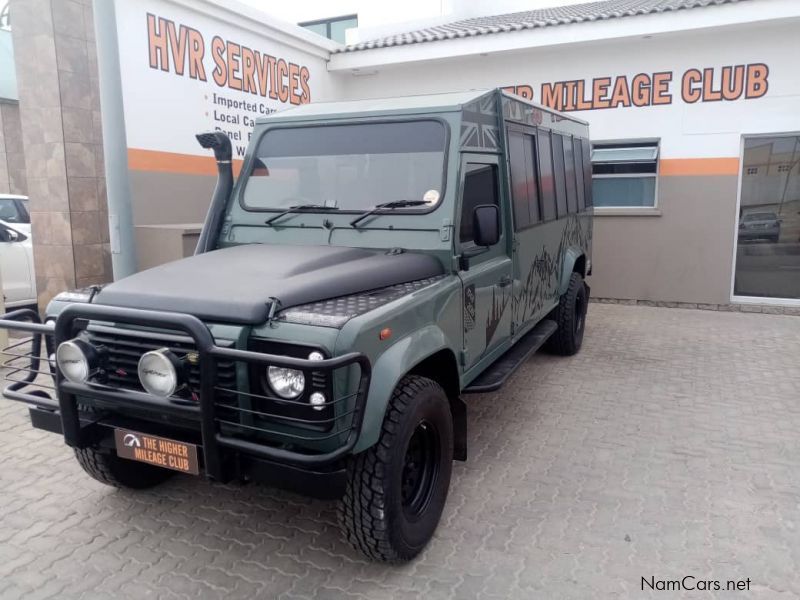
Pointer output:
76, 360
317, 401
316, 356
158, 372
287, 383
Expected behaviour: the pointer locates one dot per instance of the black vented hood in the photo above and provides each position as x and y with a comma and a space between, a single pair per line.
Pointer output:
235, 284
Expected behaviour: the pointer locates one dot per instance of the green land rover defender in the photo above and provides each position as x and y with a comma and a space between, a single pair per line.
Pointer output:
374, 263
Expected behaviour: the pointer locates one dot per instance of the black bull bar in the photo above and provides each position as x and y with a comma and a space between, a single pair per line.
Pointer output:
76, 430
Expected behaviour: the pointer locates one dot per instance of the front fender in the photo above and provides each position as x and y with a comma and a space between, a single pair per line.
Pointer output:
388, 370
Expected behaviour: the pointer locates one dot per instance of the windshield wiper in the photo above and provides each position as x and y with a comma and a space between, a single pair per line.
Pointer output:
298, 208
388, 205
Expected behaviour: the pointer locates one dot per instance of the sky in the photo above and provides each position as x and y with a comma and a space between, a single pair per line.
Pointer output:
306, 10
380, 13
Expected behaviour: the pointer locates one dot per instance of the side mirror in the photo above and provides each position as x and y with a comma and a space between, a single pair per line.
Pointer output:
486, 225
12, 236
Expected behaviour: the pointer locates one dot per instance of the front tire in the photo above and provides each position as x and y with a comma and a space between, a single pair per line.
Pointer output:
570, 315
397, 489
108, 468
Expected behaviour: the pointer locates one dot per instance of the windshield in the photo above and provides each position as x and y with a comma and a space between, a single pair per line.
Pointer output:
349, 167
12, 212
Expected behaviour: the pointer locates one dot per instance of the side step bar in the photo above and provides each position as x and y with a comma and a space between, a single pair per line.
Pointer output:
500, 370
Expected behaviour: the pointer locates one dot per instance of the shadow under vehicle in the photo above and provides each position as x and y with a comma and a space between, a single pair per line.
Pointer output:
375, 262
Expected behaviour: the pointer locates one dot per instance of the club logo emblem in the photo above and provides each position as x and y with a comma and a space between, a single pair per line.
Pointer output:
131, 441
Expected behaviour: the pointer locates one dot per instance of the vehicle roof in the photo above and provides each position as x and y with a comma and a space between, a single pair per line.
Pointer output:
13, 197
397, 105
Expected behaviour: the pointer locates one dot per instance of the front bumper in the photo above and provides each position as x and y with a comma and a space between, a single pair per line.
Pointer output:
225, 455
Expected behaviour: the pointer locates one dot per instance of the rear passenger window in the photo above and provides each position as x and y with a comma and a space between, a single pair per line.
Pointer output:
524, 188
569, 174
519, 179
558, 172
546, 180
533, 185
578, 152
587, 171
480, 187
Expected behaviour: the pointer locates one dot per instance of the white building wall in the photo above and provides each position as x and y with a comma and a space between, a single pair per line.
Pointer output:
683, 249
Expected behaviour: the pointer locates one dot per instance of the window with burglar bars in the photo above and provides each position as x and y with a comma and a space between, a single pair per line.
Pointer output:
624, 174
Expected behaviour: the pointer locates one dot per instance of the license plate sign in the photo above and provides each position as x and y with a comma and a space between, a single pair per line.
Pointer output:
158, 451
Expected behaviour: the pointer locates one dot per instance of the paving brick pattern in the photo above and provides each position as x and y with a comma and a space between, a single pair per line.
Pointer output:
669, 447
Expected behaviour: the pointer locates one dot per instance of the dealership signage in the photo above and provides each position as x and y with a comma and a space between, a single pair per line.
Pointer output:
710, 84
182, 50
185, 71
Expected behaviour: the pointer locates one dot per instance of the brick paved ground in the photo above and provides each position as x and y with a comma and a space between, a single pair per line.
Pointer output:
669, 447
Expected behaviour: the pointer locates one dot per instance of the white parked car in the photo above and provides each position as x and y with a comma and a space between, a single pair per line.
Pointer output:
16, 252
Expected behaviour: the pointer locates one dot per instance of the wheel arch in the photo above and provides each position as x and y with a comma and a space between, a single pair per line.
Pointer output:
574, 262
441, 367
426, 352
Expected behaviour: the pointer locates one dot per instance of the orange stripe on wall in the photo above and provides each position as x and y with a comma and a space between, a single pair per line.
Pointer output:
698, 166
189, 164
172, 162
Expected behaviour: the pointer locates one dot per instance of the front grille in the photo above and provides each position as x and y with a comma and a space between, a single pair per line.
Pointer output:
123, 348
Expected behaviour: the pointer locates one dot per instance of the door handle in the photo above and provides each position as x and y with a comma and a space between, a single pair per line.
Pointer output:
504, 281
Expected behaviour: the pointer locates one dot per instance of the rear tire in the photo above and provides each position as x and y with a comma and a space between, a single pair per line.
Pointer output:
397, 489
570, 315
108, 468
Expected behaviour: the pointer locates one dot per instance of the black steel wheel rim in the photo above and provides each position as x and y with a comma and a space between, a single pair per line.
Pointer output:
420, 469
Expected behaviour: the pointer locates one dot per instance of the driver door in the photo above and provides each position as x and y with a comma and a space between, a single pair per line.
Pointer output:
487, 278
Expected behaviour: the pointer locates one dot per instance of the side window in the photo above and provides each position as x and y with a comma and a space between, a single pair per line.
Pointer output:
533, 187
519, 179
569, 174
24, 212
546, 178
587, 171
9, 211
578, 152
524, 188
480, 187
558, 172
625, 173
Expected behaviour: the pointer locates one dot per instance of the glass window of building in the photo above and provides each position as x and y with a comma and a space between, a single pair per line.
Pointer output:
624, 174
768, 227
333, 28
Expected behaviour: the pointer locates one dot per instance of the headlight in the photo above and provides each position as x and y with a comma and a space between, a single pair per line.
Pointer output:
158, 372
76, 359
287, 383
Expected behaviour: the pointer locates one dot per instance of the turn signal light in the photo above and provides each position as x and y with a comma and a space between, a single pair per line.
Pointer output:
385, 333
